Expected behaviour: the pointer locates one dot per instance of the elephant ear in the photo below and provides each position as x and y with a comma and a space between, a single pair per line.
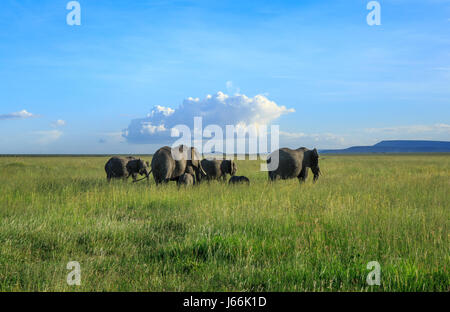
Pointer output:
233, 167
315, 157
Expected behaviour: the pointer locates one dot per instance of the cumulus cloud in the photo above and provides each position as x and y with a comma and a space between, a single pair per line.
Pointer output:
219, 109
59, 123
23, 114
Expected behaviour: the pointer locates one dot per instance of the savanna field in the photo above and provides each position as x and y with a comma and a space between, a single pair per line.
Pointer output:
283, 236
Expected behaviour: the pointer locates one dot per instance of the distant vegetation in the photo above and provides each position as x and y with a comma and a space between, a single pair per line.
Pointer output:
215, 237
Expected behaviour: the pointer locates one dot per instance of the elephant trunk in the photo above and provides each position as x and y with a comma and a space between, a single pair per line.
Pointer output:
317, 173
147, 173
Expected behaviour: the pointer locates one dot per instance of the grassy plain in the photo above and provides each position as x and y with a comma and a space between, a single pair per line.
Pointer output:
394, 209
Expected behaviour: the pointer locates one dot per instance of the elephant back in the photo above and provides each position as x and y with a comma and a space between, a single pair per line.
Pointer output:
168, 164
162, 163
212, 167
116, 166
290, 163
164, 166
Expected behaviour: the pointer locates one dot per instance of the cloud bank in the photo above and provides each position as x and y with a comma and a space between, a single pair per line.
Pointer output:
367, 136
47, 137
219, 109
436, 128
23, 114
298, 139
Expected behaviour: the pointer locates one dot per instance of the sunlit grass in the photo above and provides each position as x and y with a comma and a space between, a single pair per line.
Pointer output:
281, 236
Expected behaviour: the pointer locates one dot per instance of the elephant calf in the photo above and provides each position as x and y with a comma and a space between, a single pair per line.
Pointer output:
124, 167
186, 179
239, 179
216, 169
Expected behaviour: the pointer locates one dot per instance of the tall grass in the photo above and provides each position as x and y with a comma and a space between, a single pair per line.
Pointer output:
279, 236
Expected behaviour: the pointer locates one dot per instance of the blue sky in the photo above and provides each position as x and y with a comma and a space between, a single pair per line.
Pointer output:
341, 81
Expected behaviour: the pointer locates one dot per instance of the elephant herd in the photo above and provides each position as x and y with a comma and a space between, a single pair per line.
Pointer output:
184, 165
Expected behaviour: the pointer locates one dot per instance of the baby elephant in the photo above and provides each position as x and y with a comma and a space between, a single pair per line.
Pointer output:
239, 179
186, 179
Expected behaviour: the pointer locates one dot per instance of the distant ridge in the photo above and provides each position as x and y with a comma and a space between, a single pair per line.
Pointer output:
396, 146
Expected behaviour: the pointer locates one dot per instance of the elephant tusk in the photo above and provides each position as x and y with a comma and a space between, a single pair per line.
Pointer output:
203, 171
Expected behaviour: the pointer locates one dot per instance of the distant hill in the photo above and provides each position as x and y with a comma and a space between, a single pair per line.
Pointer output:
396, 146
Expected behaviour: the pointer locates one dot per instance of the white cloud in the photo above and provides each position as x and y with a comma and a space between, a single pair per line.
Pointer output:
437, 128
23, 114
369, 136
59, 123
231, 89
319, 140
219, 109
46, 137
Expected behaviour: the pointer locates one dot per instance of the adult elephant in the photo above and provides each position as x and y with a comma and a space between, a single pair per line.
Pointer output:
124, 167
293, 164
216, 169
168, 164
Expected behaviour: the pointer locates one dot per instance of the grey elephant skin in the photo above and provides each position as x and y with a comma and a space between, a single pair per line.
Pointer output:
294, 164
216, 169
186, 179
124, 167
239, 180
166, 168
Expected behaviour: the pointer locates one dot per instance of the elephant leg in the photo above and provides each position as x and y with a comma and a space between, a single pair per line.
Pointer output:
224, 178
134, 176
197, 178
157, 177
303, 175
272, 176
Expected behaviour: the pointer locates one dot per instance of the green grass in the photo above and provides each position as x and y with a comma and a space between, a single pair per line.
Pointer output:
393, 209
